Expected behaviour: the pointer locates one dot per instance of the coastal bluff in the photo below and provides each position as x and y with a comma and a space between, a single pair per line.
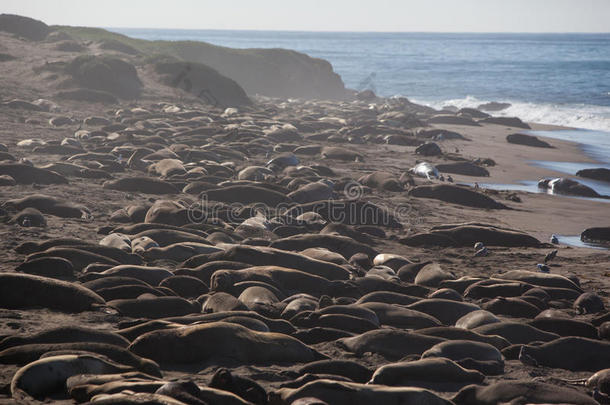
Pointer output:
268, 72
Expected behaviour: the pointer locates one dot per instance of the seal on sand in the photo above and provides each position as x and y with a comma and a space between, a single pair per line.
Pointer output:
200, 343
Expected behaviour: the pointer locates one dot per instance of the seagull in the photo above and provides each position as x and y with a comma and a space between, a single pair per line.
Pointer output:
543, 268
554, 239
478, 246
481, 252
550, 256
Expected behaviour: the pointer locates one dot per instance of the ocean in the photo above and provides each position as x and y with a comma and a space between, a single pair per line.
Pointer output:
561, 79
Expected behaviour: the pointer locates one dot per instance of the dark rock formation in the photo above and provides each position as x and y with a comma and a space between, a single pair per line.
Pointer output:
24, 27
105, 73
202, 81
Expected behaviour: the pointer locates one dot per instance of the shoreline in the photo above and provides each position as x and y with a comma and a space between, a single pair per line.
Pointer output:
513, 165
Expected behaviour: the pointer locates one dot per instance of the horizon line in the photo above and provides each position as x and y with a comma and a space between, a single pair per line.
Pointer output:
342, 31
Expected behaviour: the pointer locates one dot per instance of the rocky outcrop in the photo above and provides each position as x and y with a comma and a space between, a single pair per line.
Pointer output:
269, 72
24, 27
105, 73
202, 81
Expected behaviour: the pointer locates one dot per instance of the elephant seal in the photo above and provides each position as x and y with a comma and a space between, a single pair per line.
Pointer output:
539, 279
511, 306
525, 392
29, 217
243, 387
221, 302
565, 327
150, 275
391, 343
85, 380
349, 212
79, 258
317, 334
446, 311
206, 342
387, 297
155, 307
185, 286
267, 256
45, 292
128, 291
454, 333
245, 194
382, 181
289, 281
475, 319
456, 195
24, 354
515, 332
439, 371
346, 368
64, 334
167, 167
178, 252
147, 185
187, 392
569, 353
468, 354
343, 245
311, 192
400, 317
25, 174
133, 398
86, 392
118, 241
46, 376
346, 393
562, 185
53, 267
589, 303
49, 205
431, 275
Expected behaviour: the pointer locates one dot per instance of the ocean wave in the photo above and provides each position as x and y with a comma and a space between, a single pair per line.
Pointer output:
577, 116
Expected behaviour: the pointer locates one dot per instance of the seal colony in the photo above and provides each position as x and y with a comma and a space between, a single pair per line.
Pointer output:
285, 252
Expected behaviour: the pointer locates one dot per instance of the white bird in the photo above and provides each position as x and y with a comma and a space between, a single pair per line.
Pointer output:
481, 252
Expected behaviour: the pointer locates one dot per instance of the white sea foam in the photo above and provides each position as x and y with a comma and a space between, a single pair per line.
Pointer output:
576, 116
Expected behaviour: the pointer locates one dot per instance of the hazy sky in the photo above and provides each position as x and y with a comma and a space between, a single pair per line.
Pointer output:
326, 15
